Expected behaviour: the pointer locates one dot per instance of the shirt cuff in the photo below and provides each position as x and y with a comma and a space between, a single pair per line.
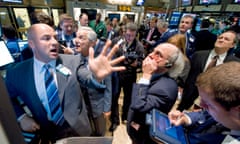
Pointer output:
144, 81
189, 120
97, 84
21, 117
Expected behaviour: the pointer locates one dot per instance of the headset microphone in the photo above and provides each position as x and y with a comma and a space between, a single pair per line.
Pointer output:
168, 65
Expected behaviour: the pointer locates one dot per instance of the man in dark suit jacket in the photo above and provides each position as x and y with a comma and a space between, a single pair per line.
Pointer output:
184, 27
204, 38
219, 89
199, 63
151, 35
156, 89
25, 82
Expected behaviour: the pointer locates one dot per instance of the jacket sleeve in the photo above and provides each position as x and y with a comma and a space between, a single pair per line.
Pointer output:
145, 98
108, 94
13, 93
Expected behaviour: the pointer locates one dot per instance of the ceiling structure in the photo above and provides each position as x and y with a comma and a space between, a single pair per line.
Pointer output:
160, 3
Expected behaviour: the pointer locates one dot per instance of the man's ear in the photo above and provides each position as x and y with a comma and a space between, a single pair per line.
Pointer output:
237, 110
93, 43
31, 44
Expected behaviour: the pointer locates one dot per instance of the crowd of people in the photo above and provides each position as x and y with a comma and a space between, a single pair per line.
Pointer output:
74, 75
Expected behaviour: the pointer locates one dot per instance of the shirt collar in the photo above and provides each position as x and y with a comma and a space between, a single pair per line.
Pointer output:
221, 56
40, 65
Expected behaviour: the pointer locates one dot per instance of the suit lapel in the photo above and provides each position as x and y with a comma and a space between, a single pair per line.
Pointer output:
32, 91
61, 80
204, 59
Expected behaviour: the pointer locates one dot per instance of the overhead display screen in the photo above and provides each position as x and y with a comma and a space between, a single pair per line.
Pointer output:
13, 1
186, 2
202, 2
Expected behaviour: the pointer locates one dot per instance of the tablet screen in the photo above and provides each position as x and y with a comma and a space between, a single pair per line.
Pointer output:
163, 131
5, 55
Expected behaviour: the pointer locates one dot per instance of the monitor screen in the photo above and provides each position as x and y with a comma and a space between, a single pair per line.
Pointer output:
0, 31
162, 130
113, 15
203, 2
5, 55
22, 45
236, 1
174, 20
140, 2
90, 12
198, 24
186, 2
13, 1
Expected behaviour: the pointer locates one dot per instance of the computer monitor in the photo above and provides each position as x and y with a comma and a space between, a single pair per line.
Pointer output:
140, 2
22, 45
198, 24
174, 19
236, 1
5, 55
207, 2
13, 1
186, 2
114, 15
0, 30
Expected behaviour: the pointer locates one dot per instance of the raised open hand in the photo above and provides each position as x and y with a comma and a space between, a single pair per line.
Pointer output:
103, 64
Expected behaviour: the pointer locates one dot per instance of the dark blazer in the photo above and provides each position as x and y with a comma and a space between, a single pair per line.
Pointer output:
154, 37
20, 83
190, 41
204, 129
160, 94
99, 99
204, 40
198, 62
155, 34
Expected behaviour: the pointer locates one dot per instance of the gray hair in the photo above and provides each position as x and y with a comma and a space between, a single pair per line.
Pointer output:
177, 61
131, 26
162, 24
92, 36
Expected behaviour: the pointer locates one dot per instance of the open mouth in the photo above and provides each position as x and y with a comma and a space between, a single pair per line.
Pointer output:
53, 50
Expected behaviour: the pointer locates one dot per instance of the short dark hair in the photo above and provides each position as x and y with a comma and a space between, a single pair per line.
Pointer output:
224, 82
9, 31
131, 26
80, 16
205, 23
41, 17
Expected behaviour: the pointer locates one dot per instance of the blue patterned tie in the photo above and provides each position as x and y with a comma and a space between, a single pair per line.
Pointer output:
52, 94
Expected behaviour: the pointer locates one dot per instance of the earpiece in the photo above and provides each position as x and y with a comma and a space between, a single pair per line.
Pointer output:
168, 65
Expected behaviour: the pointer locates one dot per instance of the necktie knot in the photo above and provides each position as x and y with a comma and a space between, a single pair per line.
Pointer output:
216, 57
47, 67
213, 62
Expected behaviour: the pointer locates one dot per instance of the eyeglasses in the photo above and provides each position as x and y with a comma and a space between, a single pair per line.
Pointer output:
158, 54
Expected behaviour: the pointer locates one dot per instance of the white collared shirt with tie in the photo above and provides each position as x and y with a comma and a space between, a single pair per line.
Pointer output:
219, 60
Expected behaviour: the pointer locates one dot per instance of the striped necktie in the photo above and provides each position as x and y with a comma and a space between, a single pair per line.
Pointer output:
52, 95
213, 62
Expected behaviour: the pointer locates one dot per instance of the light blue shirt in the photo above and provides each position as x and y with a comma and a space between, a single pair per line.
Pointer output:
39, 71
